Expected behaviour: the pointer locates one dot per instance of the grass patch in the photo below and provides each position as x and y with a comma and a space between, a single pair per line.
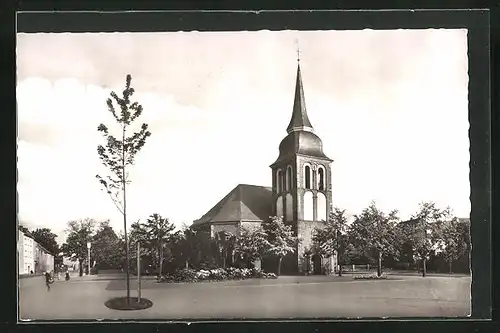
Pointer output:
120, 303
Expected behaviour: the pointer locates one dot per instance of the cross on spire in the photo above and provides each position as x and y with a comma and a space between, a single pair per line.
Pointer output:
298, 50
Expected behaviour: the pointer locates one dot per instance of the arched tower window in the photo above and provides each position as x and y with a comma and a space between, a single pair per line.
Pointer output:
279, 206
321, 178
308, 206
321, 207
307, 177
279, 181
288, 178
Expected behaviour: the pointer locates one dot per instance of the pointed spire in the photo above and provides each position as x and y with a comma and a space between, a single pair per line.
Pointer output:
300, 120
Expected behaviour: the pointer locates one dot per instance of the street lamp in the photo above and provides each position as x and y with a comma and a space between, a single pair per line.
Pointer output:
88, 257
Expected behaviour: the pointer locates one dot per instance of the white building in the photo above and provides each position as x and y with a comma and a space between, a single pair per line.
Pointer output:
26, 253
32, 257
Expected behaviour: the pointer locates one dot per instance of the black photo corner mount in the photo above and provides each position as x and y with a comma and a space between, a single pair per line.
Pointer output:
481, 133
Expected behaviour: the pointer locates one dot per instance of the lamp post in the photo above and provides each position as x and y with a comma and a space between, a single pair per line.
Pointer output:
88, 257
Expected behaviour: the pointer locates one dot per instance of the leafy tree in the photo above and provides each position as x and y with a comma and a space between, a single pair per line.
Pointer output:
452, 240
46, 238
179, 249
280, 239
80, 232
251, 244
330, 239
107, 248
196, 246
119, 153
373, 230
225, 242
154, 233
465, 244
25, 230
422, 232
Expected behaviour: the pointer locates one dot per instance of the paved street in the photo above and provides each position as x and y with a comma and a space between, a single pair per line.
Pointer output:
286, 297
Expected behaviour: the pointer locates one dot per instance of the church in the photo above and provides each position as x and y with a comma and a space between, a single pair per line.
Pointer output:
301, 192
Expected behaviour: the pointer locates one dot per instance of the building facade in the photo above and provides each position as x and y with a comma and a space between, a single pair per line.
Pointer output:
26, 253
32, 257
301, 193
44, 261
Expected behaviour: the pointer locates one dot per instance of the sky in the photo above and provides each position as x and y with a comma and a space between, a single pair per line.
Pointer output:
390, 107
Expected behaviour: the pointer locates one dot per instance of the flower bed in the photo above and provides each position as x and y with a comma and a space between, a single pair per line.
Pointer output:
370, 277
218, 274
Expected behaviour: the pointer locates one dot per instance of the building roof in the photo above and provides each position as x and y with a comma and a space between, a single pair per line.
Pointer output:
301, 138
36, 243
243, 203
301, 143
300, 120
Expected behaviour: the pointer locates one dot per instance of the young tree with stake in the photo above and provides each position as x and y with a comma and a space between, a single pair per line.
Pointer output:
119, 153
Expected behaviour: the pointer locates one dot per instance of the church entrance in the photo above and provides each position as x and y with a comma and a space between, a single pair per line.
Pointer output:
316, 261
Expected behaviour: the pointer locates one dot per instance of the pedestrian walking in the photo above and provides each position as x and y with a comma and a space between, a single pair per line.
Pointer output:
48, 280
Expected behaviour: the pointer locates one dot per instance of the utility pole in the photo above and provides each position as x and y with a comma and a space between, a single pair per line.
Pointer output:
88, 258
138, 272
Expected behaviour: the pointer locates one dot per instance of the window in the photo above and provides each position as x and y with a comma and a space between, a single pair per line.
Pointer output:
279, 207
308, 206
321, 207
279, 181
307, 176
289, 178
321, 179
289, 207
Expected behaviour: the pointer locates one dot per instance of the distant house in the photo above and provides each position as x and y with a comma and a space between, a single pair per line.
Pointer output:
44, 260
32, 257
26, 253
70, 263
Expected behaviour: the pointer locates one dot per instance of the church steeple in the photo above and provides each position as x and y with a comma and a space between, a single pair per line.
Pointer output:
300, 120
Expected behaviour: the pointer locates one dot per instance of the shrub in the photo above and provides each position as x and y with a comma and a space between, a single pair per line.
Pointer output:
217, 274
370, 277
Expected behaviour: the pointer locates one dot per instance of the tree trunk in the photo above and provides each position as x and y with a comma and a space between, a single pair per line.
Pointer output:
223, 259
379, 266
80, 267
450, 264
124, 184
468, 261
279, 266
339, 263
161, 261
187, 264
424, 267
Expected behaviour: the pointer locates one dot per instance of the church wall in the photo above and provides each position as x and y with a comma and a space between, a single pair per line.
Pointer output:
250, 225
232, 228
305, 230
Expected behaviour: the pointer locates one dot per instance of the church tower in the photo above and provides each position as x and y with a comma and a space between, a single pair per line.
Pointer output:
302, 191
